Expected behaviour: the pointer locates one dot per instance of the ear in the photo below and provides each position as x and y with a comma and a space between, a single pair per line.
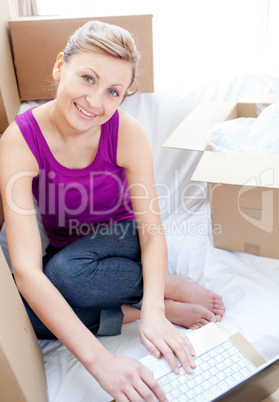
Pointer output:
58, 67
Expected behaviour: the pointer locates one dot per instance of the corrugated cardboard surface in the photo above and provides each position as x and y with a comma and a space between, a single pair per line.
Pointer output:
9, 97
245, 219
22, 375
243, 188
36, 43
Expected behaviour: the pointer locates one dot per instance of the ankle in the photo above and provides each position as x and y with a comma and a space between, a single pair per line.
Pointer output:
130, 313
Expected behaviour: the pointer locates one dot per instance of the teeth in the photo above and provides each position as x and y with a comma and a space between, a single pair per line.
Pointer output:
84, 112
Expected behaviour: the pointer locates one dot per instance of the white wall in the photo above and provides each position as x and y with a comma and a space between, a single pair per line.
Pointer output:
196, 39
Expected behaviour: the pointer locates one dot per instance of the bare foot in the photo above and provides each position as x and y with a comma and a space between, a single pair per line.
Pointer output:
182, 289
189, 315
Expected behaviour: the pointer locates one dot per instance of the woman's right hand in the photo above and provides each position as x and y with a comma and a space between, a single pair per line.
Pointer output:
127, 379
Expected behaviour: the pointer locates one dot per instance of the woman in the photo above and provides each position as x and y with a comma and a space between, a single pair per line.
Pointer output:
89, 167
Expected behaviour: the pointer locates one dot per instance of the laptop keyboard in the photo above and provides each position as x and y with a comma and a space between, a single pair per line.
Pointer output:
216, 371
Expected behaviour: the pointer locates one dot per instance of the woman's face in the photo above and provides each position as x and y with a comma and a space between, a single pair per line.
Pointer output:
91, 87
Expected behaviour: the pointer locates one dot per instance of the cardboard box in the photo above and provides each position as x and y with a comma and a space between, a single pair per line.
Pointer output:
36, 43
9, 97
243, 189
22, 373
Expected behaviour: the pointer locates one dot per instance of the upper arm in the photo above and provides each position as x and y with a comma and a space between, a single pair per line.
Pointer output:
135, 155
18, 167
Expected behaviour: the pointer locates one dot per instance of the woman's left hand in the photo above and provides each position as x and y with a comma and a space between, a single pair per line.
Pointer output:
161, 337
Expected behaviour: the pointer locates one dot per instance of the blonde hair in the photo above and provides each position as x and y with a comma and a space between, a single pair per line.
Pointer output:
100, 37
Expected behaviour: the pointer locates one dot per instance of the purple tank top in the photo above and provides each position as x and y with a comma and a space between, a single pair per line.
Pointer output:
76, 202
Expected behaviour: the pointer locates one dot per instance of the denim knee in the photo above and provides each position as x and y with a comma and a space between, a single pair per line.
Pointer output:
102, 271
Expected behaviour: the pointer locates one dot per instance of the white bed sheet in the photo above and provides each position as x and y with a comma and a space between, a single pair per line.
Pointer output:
248, 284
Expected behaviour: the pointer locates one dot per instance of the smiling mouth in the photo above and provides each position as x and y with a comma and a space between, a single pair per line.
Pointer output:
84, 112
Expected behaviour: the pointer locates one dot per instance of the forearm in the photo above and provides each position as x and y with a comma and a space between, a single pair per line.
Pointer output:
53, 310
154, 261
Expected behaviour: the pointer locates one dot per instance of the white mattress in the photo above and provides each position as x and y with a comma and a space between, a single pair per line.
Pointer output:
248, 284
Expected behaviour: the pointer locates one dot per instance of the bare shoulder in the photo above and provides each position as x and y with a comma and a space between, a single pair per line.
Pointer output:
11, 132
11, 137
132, 140
14, 151
128, 122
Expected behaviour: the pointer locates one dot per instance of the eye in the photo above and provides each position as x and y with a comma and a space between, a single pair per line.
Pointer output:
113, 92
88, 79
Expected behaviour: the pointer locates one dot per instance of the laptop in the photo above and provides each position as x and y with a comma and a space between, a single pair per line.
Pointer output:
227, 369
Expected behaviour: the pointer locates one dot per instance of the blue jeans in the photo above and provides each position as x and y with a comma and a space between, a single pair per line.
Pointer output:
96, 274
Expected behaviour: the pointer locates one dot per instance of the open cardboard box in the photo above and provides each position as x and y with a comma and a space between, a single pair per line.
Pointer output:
243, 189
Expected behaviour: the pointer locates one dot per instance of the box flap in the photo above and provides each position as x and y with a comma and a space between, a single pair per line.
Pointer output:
238, 169
192, 132
266, 98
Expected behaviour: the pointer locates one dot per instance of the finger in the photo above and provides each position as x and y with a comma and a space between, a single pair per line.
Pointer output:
168, 346
121, 398
185, 342
134, 395
167, 351
142, 393
146, 388
185, 357
188, 343
184, 351
176, 343
150, 347
152, 385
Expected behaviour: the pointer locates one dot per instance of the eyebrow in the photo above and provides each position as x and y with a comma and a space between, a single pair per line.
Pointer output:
93, 71
97, 75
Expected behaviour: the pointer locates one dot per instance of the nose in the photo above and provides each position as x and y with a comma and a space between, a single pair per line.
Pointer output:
94, 99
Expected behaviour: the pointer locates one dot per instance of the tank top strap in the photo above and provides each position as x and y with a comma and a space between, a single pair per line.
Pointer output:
110, 137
